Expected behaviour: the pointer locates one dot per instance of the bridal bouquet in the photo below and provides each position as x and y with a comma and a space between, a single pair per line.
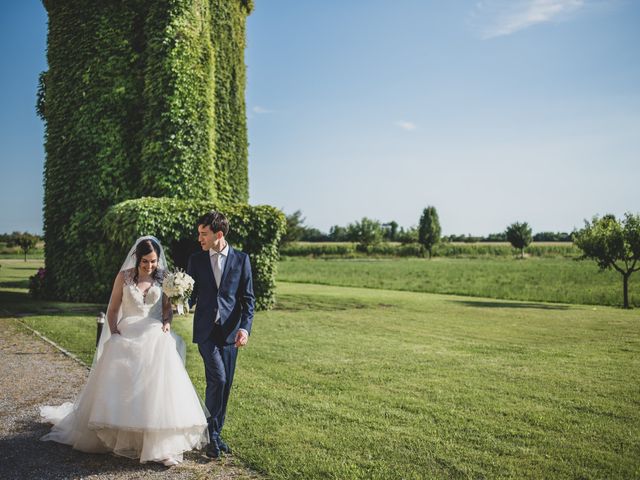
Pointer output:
178, 287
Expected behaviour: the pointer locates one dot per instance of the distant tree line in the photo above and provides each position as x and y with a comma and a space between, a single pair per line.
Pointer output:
391, 231
502, 237
8, 237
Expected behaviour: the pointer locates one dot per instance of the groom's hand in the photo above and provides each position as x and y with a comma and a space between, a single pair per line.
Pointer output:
242, 337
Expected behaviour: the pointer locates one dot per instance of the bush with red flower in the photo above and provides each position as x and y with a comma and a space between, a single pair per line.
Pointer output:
36, 283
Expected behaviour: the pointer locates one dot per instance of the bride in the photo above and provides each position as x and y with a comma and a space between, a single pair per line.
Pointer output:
138, 401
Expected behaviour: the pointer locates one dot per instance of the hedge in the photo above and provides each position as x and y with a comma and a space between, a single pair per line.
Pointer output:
318, 249
350, 250
451, 250
255, 230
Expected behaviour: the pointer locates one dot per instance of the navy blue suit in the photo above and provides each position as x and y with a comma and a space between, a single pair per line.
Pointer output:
235, 302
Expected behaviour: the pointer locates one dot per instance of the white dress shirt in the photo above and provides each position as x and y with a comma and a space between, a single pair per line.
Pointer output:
221, 257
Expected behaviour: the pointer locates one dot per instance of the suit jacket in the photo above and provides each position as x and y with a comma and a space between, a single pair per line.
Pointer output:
234, 299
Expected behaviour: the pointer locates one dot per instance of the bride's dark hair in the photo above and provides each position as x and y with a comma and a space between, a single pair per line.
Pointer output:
145, 247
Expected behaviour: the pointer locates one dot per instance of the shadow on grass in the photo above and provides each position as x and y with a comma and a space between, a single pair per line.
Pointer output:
15, 284
299, 302
21, 304
499, 304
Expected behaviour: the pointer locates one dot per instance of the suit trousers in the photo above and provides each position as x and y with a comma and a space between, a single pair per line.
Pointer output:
219, 367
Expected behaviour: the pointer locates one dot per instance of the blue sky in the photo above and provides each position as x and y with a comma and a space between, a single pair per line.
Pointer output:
493, 111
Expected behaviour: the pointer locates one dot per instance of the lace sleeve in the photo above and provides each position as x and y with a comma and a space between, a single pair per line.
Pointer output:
128, 275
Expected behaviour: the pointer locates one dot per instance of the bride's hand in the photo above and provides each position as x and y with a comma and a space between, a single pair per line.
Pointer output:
116, 331
166, 327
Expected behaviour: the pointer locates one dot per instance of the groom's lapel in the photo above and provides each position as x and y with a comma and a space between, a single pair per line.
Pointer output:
209, 269
227, 265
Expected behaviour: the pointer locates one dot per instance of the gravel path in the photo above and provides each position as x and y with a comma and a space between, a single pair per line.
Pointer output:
34, 373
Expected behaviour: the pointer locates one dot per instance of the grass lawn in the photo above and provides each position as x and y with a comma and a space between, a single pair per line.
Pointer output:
352, 383
538, 279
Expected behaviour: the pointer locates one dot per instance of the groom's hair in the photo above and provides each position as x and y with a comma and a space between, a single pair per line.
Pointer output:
216, 221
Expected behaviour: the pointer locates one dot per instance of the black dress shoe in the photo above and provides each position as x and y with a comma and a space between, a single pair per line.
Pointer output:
223, 446
212, 450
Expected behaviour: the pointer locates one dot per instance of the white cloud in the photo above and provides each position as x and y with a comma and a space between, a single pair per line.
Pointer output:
260, 110
500, 17
409, 126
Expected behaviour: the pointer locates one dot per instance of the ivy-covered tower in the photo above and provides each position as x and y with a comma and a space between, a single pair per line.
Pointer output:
143, 98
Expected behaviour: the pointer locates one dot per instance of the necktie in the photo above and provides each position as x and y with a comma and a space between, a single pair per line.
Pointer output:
217, 272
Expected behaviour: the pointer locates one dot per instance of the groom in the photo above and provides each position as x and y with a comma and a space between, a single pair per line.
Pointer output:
224, 296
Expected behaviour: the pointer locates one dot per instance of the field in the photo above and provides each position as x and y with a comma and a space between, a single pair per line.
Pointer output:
365, 383
533, 279
7, 252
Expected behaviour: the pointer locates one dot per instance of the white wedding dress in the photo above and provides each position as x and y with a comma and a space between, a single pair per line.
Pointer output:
138, 401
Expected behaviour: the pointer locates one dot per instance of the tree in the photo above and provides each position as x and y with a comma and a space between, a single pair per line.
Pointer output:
390, 230
552, 237
295, 227
410, 235
24, 240
297, 231
495, 237
519, 236
366, 232
612, 244
429, 229
311, 234
338, 234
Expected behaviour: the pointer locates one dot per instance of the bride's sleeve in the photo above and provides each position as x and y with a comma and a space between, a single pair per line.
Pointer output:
115, 302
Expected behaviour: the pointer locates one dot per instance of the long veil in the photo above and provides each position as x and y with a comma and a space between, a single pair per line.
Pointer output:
129, 263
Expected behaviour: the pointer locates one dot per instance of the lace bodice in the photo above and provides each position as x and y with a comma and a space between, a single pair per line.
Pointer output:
136, 303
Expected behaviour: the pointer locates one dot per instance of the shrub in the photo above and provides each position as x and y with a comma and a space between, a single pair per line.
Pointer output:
37, 283
255, 230
318, 249
410, 250
471, 250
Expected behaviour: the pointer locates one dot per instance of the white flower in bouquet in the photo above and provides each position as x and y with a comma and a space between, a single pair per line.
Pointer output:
178, 286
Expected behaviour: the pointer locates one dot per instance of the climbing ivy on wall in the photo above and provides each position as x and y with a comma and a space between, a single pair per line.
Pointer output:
92, 102
228, 37
178, 137
142, 98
